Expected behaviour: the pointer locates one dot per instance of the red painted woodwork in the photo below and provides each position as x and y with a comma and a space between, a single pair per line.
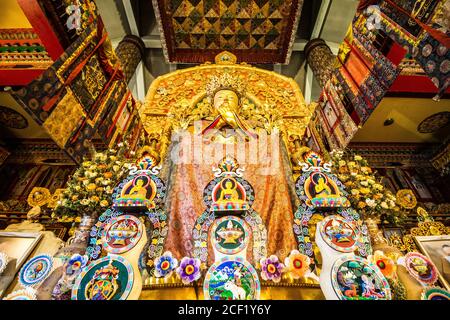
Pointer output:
18, 77
414, 84
42, 27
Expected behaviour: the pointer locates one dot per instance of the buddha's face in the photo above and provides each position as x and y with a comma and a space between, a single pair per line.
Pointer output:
140, 183
226, 97
228, 185
321, 181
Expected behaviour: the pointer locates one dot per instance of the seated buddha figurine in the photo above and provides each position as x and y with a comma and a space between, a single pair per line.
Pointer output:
322, 191
226, 196
229, 194
225, 93
135, 194
138, 191
321, 188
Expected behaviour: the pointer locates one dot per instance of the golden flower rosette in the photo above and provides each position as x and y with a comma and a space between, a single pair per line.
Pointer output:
297, 264
406, 199
386, 265
38, 196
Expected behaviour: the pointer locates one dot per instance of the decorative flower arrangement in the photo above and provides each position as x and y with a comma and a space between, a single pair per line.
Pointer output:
189, 270
90, 188
165, 265
271, 268
297, 264
366, 191
386, 265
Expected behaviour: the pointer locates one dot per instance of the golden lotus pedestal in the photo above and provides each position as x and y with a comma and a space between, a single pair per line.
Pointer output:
302, 291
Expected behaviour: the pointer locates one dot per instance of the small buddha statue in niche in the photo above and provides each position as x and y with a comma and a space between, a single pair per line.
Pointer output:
322, 190
225, 93
138, 191
323, 187
229, 193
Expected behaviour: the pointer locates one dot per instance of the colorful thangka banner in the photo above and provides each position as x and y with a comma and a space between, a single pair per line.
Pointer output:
382, 33
82, 94
368, 65
434, 58
414, 24
407, 16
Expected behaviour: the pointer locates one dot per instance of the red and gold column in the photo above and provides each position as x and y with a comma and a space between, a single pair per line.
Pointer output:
321, 60
130, 52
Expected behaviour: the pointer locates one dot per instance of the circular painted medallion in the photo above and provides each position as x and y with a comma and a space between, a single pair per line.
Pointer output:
338, 234
35, 270
421, 268
23, 294
434, 122
230, 234
231, 279
108, 278
406, 199
3, 262
435, 293
122, 234
355, 278
12, 119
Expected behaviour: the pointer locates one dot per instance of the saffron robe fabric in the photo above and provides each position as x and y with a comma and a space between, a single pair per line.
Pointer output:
271, 179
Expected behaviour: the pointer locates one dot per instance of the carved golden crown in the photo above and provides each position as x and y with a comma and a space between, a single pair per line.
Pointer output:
225, 81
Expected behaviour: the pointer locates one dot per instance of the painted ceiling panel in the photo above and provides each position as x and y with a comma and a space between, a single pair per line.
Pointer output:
258, 31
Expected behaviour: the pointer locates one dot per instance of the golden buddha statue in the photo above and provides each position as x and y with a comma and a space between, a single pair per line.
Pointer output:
229, 193
322, 189
225, 93
138, 191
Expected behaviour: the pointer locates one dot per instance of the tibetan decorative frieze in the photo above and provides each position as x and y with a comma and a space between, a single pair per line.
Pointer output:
22, 48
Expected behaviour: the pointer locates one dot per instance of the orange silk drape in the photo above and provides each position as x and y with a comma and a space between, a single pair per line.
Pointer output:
275, 199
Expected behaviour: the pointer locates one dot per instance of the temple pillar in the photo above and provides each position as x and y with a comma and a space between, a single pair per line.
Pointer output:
320, 59
441, 158
130, 52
